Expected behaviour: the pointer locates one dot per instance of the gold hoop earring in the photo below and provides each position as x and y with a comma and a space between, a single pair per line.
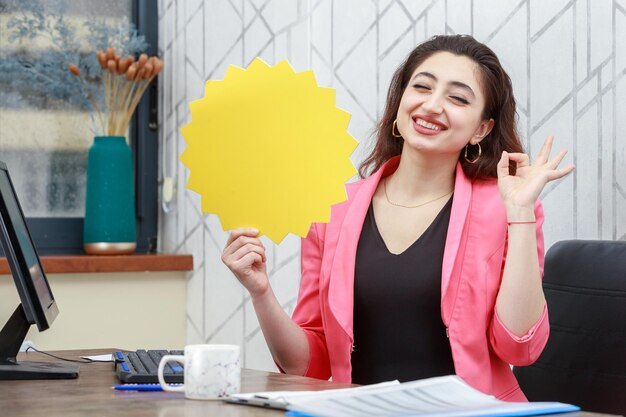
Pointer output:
480, 152
394, 127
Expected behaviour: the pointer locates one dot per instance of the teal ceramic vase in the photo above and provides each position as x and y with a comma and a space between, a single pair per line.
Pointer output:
109, 226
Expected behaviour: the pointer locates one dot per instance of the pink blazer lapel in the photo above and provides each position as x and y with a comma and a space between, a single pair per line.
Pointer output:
347, 234
458, 217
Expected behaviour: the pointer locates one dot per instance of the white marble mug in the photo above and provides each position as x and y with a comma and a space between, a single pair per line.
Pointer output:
211, 371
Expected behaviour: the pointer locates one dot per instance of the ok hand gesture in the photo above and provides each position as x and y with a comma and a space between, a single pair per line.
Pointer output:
520, 191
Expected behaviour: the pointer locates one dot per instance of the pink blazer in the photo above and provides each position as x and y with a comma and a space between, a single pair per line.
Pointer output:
482, 348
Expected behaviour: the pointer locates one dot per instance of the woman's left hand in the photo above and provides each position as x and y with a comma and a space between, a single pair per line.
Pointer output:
520, 191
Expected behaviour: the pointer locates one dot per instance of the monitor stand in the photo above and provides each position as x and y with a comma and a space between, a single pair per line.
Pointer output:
11, 337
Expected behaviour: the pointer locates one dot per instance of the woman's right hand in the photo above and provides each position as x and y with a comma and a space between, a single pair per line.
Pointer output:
244, 255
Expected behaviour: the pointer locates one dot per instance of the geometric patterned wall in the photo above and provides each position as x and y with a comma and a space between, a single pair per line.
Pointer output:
567, 60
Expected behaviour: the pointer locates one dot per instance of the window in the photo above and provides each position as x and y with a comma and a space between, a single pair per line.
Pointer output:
44, 139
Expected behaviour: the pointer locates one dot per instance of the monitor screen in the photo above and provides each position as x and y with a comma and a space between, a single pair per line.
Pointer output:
35, 293
37, 302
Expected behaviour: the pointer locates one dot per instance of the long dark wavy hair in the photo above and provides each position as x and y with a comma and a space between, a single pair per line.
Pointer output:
499, 106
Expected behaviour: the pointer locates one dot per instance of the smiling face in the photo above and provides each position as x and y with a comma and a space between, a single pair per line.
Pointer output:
442, 106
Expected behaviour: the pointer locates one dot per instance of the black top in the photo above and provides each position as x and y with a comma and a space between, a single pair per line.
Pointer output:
398, 331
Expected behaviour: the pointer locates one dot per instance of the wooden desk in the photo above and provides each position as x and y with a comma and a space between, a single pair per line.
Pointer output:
91, 394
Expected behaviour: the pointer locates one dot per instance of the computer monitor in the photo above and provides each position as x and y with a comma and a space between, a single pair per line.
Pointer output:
37, 302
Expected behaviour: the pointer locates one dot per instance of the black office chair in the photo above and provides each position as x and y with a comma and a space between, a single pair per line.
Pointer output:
584, 362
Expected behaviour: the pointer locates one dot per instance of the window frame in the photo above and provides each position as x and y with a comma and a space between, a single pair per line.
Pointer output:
64, 235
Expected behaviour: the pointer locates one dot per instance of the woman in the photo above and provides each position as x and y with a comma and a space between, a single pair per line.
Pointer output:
433, 265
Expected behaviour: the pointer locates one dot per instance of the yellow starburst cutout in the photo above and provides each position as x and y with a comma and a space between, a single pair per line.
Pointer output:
268, 148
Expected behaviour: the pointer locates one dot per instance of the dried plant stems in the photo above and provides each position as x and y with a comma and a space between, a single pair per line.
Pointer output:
124, 82
74, 70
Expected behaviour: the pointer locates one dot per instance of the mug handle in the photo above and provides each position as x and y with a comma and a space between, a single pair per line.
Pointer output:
164, 385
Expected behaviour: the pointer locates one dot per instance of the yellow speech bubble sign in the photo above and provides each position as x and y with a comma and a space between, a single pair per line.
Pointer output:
268, 148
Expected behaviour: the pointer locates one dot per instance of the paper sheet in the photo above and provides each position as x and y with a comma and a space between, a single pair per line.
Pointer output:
100, 358
445, 396
280, 399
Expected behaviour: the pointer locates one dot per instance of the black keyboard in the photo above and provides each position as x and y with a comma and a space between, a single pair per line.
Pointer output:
140, 367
